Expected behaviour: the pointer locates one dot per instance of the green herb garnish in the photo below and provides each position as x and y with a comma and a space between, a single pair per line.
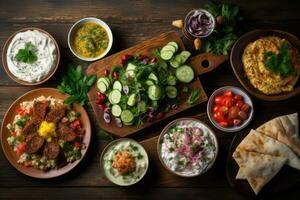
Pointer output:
221, 41
22, 121
280, 63
194, 96
103, 135
134, 148
76, 84
140, 156
28, 54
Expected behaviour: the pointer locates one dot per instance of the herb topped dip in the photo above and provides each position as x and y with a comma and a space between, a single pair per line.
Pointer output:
187, 147
124, 162
31, 55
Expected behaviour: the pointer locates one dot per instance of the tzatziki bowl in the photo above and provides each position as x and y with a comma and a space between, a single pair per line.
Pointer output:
124, 162
30, 56
187, 147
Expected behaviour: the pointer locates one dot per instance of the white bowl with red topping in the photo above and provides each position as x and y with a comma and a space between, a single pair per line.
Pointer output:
230, 109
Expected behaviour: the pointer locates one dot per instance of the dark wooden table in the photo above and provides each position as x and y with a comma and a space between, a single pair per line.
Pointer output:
131, 23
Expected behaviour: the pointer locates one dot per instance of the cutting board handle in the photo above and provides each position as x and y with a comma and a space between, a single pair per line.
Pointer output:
206, 62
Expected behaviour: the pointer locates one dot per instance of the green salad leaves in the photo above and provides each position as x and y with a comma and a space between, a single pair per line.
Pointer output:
28, 54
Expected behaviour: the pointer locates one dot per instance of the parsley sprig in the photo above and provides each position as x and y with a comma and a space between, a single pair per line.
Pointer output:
280, 63
76, 84
28, 54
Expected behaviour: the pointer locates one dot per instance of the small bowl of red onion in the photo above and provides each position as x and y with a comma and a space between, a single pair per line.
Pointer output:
199, 23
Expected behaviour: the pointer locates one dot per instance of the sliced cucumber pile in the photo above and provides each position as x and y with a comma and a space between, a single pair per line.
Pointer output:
141, 89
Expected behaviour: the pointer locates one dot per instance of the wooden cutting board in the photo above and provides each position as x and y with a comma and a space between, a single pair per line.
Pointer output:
146, 48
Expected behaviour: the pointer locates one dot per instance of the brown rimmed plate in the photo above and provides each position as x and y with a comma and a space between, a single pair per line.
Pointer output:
11, 155
4, 60
237, 65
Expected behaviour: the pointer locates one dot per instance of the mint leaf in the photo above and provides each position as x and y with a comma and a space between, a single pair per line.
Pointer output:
28, 54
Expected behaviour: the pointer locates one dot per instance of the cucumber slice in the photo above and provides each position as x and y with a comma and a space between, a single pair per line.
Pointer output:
114, 96
127, 117
149, 82
171, 80
131, 100
154, 92
105, 80
171, 92
142, 107
179, 58
185, 74
174, 44
166, 55
153, 77
185, 55
117, 86
116, 110
168, 48
102, 87
174, 63
130, 66
130, 70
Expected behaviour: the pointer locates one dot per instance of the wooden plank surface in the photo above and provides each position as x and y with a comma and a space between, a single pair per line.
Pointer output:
133, 22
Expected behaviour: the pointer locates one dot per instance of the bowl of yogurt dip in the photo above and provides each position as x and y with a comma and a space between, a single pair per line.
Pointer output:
187, 147
124, 162
30, 56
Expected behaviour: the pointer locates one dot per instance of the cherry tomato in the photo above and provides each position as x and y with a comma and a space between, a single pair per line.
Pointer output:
233, 112
245, 108
125, 58
242, 115
216, 109
238, 97
237, 122
160, 115
227, 101
101, 106
115, 75
239, 103
228, 93
218, 100
101, 96
106, 72
218, 116
224, 110
224, 124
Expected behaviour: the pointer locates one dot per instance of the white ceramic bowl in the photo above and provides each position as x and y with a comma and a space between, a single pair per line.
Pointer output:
200, 124
77, 25
108, 148
235, 90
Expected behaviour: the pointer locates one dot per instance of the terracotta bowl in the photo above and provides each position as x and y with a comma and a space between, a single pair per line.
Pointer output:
9, 117
237, 65
4, 60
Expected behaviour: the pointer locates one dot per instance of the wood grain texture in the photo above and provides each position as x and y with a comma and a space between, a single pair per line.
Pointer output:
133, 22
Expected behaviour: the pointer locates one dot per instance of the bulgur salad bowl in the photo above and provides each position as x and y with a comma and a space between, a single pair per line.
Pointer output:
187, 147
42, 137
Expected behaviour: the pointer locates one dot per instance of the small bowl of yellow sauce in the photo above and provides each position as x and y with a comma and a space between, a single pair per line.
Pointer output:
90, 39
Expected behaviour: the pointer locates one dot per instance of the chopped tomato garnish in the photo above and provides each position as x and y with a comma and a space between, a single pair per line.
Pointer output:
76, 124
30, 112
20, 149
20, 111
77, 145
14, 133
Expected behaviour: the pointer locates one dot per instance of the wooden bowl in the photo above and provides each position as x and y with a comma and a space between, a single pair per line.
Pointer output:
9, 117
237, 65
13, 77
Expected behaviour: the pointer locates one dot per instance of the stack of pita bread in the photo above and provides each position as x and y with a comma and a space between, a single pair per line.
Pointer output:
264, 151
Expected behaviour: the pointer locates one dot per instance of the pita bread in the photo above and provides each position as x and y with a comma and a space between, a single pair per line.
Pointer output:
258, 168
285, 129
257, 142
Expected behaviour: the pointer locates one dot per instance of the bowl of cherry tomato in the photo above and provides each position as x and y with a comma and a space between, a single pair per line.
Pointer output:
230, 109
